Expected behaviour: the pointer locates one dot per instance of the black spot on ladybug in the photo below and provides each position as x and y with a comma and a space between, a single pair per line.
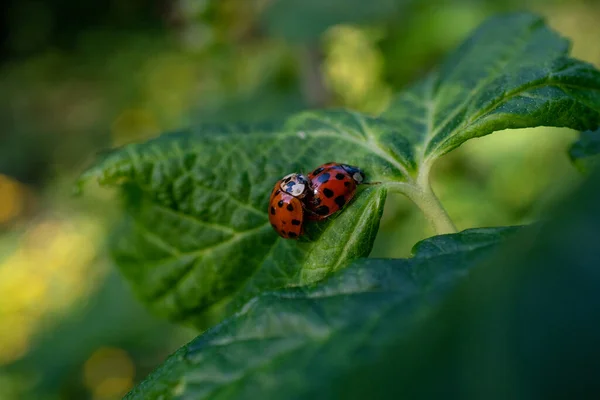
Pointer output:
295, 222
277, 192
317, 171
290, 207
339, 176
322, 210
283, 233
328, 193
340, 201
280, 203
347, 183
273, 210
324, 178
292, 235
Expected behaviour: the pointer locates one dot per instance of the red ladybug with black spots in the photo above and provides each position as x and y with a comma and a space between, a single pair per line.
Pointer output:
286, 210
332, 186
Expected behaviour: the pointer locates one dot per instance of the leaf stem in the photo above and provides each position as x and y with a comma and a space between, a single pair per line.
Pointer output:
422, 195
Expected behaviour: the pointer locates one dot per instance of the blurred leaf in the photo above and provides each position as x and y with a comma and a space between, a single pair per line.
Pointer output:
524, 325
306, 20
197, 233
280, 341
585, 152
511, 73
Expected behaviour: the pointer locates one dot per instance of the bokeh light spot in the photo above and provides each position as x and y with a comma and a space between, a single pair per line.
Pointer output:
109, 373
353, 69
12, 197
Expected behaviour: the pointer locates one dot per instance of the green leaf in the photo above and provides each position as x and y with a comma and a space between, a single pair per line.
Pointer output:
523, 326
513, 72
306, 20
286, 343
585, 153
196, 240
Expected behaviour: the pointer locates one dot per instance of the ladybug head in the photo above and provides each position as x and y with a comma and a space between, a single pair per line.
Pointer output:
356, 173
295, 184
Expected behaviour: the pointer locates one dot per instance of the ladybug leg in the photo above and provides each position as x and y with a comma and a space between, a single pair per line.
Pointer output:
309, 211
313, 214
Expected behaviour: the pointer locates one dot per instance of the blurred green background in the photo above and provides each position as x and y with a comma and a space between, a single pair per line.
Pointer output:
79, 77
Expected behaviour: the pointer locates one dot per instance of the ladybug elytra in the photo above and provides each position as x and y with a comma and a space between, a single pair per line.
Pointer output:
317, 196
286, 211
333, 186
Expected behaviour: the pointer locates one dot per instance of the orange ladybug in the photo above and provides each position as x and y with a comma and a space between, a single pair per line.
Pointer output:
332, 186
286, 210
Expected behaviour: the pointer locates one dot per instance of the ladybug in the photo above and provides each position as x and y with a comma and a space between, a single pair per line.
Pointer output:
286, 210
332, 186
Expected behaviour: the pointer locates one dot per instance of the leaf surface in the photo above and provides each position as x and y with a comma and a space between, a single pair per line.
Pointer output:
512, 72
523, 325
196, 236
287, 343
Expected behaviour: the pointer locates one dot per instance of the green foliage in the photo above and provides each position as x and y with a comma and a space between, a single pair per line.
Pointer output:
197, 235
513, 72
196, 243
318, 333
524, 325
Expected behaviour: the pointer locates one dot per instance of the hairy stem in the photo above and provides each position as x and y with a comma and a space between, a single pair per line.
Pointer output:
433, 210
422, 195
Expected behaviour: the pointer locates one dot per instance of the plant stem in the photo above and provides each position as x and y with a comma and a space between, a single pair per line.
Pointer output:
422, 195
434, 211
